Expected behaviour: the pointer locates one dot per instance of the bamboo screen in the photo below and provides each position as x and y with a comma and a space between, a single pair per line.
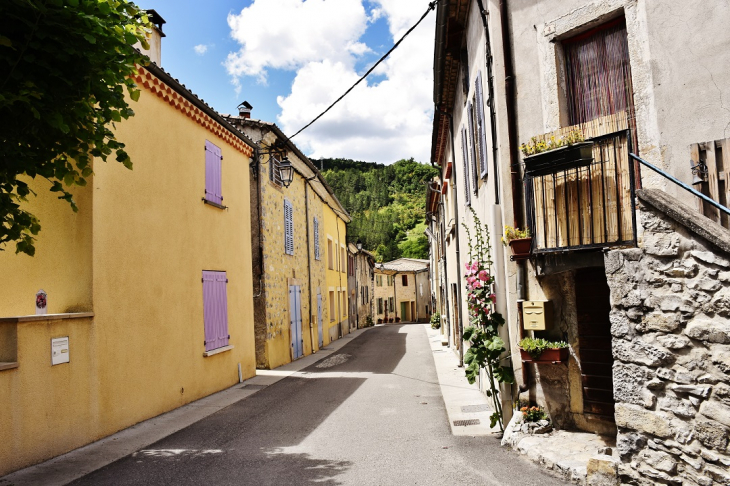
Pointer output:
589, 205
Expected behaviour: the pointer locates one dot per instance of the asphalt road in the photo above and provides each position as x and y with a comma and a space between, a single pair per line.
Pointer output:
371, 414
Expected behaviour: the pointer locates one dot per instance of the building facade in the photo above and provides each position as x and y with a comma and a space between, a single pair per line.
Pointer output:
292, 227
600, 70
402, 291
359, 283
147, 289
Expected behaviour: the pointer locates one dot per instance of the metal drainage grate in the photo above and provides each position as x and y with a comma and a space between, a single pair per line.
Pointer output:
253, 387
475, 408
464, 423
439, 350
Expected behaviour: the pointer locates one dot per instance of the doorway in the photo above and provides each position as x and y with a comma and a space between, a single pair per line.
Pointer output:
295, 315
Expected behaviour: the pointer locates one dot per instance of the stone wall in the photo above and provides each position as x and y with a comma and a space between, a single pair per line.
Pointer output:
670, 320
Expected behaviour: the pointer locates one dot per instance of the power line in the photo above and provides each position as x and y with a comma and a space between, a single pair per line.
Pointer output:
431, 6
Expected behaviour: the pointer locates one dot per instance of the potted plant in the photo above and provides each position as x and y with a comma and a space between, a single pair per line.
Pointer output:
380, 321
519, 241
397, 319
546, 155
538, 350
436, 321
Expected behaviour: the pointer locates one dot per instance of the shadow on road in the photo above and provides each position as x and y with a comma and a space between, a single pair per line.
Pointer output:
257, 440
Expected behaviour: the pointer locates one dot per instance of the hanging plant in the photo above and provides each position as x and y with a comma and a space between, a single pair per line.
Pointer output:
485, 345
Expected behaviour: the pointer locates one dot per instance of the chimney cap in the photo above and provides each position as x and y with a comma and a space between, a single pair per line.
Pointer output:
245, 105
156, 19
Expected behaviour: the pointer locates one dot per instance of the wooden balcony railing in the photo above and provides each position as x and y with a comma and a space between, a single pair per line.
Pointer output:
586, 205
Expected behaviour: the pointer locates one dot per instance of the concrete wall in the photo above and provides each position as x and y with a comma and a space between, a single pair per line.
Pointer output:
144, 236
671, 327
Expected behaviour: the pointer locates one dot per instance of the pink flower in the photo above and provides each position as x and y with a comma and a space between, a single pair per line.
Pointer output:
493, 298
483, 276
476, 284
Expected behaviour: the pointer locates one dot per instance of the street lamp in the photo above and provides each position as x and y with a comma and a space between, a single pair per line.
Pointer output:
286, 170
359, 245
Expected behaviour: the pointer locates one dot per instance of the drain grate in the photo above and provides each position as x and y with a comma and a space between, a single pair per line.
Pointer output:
253, 387
475, 408
464, 423
439, 350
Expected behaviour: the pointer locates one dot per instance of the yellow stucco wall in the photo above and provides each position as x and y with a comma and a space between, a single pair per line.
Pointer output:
149, 238
335, 230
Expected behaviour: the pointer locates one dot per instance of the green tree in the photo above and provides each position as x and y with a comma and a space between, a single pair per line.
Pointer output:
65, 67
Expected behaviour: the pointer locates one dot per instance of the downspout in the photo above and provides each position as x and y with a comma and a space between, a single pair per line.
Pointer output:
511, 99
309, 264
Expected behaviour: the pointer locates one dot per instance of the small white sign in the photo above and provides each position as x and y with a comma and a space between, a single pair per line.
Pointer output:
59, 351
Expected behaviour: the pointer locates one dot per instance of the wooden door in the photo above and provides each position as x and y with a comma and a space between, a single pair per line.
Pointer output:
594, 339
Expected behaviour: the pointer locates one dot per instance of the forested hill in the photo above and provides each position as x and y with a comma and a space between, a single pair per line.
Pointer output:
386, 202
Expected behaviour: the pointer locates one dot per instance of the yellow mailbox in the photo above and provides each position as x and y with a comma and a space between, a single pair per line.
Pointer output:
537, 315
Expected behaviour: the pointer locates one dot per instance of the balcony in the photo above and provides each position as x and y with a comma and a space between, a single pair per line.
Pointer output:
585, 203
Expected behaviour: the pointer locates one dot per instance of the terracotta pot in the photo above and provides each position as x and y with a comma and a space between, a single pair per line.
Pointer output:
551, 355
520, 246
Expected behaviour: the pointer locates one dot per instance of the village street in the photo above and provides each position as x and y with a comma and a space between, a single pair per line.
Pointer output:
371, 413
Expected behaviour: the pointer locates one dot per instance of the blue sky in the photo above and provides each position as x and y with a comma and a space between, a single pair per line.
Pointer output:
291, 58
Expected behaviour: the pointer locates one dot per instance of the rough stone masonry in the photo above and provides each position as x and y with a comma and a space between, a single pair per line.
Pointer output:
670, 322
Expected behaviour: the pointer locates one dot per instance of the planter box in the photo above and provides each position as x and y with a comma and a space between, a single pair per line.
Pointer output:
554, 355
556, 160
521, 247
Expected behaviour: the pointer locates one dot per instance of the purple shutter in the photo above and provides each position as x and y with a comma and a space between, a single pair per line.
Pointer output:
464, 156
482, 128
215, 309
213, 157
474, 149
288, 228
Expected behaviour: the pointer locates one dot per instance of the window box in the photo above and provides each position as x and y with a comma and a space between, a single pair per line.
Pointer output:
521, 248
549, 356
561, 158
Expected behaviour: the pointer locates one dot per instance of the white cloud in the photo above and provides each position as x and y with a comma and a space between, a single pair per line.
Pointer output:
381, 122
201, 49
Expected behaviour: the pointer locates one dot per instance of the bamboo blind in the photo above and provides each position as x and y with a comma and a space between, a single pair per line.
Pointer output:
588, 205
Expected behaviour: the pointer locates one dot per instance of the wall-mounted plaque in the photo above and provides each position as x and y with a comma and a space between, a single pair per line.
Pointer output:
59, 351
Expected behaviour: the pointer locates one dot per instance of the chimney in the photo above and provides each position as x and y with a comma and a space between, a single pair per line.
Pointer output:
244, 110
154, 39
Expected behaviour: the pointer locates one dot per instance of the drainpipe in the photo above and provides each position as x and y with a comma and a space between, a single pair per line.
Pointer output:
309, 264
511, 99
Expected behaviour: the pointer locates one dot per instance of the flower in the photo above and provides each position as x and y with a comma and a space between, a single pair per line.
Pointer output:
483, 276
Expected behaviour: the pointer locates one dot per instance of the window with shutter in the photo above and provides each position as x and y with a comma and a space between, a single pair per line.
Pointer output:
330, 255
481, 126
317, 255
213, 162
288, 228
465, 159
275, 171
380, 305
215, 310
473, 149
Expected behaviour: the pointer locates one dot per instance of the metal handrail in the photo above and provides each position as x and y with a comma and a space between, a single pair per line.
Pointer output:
682, 185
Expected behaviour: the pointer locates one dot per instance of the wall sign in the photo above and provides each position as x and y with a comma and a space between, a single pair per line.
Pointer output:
59, 351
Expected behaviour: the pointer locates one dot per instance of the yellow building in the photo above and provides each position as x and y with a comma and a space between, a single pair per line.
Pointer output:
298, 300
149, 286
402, 291
335, 233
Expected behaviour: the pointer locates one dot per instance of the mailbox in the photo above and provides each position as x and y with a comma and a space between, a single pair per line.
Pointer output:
537, 315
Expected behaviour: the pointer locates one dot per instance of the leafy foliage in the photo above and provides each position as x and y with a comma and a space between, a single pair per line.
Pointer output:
65, 66
485, 345
533, 414
435, 320
535, 346
386, 202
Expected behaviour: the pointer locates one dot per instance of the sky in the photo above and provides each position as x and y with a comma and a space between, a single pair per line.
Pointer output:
291, 58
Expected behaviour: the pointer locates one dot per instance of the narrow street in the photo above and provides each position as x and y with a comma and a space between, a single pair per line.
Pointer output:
370, 414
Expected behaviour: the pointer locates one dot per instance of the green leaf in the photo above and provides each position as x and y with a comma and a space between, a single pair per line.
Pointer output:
4, 41
90, 38
134, 94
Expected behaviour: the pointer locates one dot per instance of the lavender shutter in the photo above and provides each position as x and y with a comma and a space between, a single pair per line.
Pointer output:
473, 151
481, 127
213, 157
215, 309
464, 148
288, 228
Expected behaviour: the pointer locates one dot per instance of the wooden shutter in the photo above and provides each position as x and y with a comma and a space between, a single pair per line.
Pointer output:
474, 149
317, 255
481, 127
213, 158
465, 158
215, 309
288, 228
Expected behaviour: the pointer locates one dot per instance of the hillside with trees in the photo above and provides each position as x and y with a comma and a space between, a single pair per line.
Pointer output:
386, 203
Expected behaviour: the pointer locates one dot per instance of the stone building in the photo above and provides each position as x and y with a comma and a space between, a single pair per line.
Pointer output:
402, 291
297, 309
360, 264
509, 73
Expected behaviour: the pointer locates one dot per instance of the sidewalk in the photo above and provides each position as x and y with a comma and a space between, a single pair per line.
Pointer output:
467, 407
68, 467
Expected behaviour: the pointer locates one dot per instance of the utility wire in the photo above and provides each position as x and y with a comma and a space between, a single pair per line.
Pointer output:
431, 6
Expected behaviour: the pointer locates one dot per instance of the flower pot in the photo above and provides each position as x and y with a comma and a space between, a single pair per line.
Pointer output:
521, 247
561, 158
550, 355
